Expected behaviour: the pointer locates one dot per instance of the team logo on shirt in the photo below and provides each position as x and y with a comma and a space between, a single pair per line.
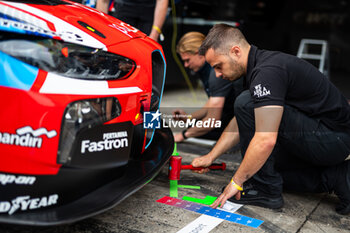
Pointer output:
261, 91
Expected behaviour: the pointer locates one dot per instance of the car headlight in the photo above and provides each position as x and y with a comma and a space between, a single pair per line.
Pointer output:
66, 59
84, 114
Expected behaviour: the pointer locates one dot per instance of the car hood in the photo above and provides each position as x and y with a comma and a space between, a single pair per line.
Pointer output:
67, 21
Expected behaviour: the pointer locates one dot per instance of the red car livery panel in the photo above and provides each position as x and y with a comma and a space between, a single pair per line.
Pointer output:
74, 86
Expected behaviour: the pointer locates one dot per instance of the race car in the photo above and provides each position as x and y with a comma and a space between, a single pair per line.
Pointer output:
76, 86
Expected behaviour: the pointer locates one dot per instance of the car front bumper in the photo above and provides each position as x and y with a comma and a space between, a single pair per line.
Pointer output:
98, 190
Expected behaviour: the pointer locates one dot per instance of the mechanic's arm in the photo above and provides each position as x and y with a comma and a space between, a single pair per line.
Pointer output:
228, 139
102, 5
180, 114
160, 12
267, 121
202, 112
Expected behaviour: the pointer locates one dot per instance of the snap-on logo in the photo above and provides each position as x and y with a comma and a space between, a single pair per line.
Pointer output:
12, 179
26, 203
114, 140
26, 137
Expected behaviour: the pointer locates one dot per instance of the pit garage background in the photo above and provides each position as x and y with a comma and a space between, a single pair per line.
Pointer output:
268, 24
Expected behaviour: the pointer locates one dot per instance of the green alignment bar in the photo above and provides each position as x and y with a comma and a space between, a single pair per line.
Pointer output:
173, 188
208, 200
188, 186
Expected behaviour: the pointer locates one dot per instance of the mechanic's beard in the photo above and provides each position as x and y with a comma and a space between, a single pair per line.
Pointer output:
236, 70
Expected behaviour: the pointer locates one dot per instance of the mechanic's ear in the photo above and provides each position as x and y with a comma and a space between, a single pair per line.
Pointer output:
235, 51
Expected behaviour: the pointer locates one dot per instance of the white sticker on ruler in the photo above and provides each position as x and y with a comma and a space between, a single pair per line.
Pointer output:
230, 207
202, 224
206, 223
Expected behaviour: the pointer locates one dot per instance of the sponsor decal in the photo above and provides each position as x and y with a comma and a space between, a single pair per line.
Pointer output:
13, 179
26, 137
151, 120
124, 28
24, 203
110, 141
261, 91
36, 133
22, 27
47, 23
13, 25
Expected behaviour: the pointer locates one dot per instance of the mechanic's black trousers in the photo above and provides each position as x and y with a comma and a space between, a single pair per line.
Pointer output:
305, 155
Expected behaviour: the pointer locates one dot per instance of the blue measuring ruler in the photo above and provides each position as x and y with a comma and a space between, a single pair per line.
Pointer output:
201, 209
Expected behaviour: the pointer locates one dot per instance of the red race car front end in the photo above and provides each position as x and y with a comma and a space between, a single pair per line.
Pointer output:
75, 84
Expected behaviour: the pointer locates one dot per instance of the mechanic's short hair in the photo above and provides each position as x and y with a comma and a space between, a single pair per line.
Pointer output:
221, 38
190, 43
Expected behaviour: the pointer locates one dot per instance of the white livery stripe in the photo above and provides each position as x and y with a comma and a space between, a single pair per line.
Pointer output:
55, 84
66, 31
23, 16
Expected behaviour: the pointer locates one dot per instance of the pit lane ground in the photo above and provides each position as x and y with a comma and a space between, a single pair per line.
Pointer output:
140, 213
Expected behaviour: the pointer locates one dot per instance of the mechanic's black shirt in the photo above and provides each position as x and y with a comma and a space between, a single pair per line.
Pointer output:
218, 87
147, 3
275, 78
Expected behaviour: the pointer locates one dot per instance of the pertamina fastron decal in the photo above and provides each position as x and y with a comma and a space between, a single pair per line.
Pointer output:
114, 140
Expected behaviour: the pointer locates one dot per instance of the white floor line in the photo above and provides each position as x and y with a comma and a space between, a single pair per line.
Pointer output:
206, 223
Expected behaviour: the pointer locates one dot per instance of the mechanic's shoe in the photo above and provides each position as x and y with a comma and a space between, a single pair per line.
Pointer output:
342, 186
253, 196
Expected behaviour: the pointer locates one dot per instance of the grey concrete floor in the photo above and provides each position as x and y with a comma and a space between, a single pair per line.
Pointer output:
140, 213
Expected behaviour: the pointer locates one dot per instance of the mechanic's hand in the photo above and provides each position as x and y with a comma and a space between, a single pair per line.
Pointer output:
203, 161
179, 137
154, 35
229, 192
179, 114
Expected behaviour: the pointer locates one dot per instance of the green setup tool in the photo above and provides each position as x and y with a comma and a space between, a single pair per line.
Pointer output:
174, 182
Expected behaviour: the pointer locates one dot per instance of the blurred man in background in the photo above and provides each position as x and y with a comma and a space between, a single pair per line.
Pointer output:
146, 15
